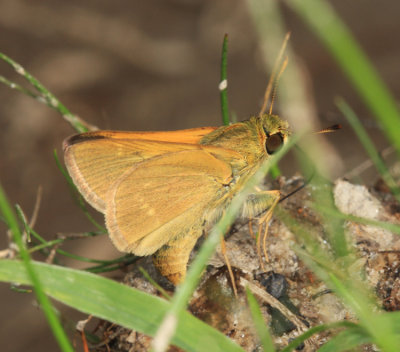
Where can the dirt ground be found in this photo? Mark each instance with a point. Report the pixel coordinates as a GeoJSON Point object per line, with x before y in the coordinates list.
{"type": "Point", "coordinates": [151, 65]}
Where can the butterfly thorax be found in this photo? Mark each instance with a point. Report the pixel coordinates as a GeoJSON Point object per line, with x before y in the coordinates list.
{"type": "Point", "coordinates": [247, 139]}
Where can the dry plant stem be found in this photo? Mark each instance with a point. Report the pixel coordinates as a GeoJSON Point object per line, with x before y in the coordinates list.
{"type": "Point", "coordinates": [273, 302]}
{"type": "Point", "coordinates": [6, 253]}
{"type": "Point", "coordinates": [36, 207]}
{"type": "Point", "coordinates": [81, 324]}
{"type": "Point", "coordinates": [365, 165]}
{"type": "Point", "coordinates": [28, 226]}
{"type": "Point", "coordinates": [165, 333]}
{"type": "Point", "coordinates": [108, 338]}
{"type": "Point", "coordinates": [84, 341]}
{"type": "Point", "coordinates": [52, 254]}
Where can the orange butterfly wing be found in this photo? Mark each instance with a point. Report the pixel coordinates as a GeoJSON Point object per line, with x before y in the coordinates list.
{"type": "Point", "coordinates": [191, 135]}
{"type": "Point", "coordinates": [163, 197]}
{"type": "Point", "coordinates": [96, 159]}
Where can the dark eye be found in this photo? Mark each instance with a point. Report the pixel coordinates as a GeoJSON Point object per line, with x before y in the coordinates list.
{"type": "Point", "coordinates": [273, 143]}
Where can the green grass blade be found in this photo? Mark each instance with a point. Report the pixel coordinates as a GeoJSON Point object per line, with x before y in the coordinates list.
{"type": "Point", "coordinates": [259, 323]}
{"type": "Point", "coordinates": [19, 88]}
{"type": "Point", "coordinates": [346, 340]}
{"type": "Point", "coordinates": [335, 35]}
{"type": "Point", "coordinates": [45, 96]}
{"type": "Point", "coordinates": [22, 218]}
{"type": "Point", "coordinates": [379, 328]}
{"type": "Point", "coordinates": [275, 172]}
{"type": "Point", "coordinates": [382, 224]}
{"type": "Point", "coordinates": [356, 294]}
{"type": "Point", "coordinates": [147, 276]}
{"type": "Point", "coordinates": [223, 85]}
{"type": "Point", "coordinates": [394, 318]}
{"type": "Point", "coordinates": [117, 303]}
{"type": "Point", "coordinates": [347, 284]}
{"type": "Point", "coordinates": [322, 195]}
{"type": "Point", "coordinates": [44, 244]}
{"type": "Point", "coordinates": [77, 195]}
{"type": "Point", "coordinates": [368, 146]}
{"type": "Point", "coordinates": [28, 267]}
{"type": "Point", "coordinates": [315, 330]}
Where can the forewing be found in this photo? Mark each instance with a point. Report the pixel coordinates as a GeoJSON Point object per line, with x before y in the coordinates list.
{"type": "Point", "coordinates": [163, 197]}
{"type": "Point", "coordinates": [191, 136]}
{"type": "Point", "coordinates": [95, 160]}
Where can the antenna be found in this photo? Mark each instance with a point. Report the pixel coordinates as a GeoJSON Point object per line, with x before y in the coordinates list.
{"type": "Point", "coordinates": [272, 79]}
{"type": "Point", "coordinates": [330, 129]}
{"type": "Point", "coordinates": [283, 67]}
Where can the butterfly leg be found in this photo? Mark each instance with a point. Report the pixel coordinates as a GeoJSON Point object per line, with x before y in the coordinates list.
{"type": "Point", "coordinates": [172, 258]}
{"type": "Point", "coordinates": [228, 265]}
{"type": "Point", "coordinates": [256, 204]}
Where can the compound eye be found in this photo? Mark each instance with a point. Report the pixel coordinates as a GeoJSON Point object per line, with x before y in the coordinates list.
{"type": "Point", "coordinates": [273, 143]}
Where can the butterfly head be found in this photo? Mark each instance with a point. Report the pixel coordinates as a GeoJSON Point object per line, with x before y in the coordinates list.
{"type": "Point", "coordinates": [275, 132]}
